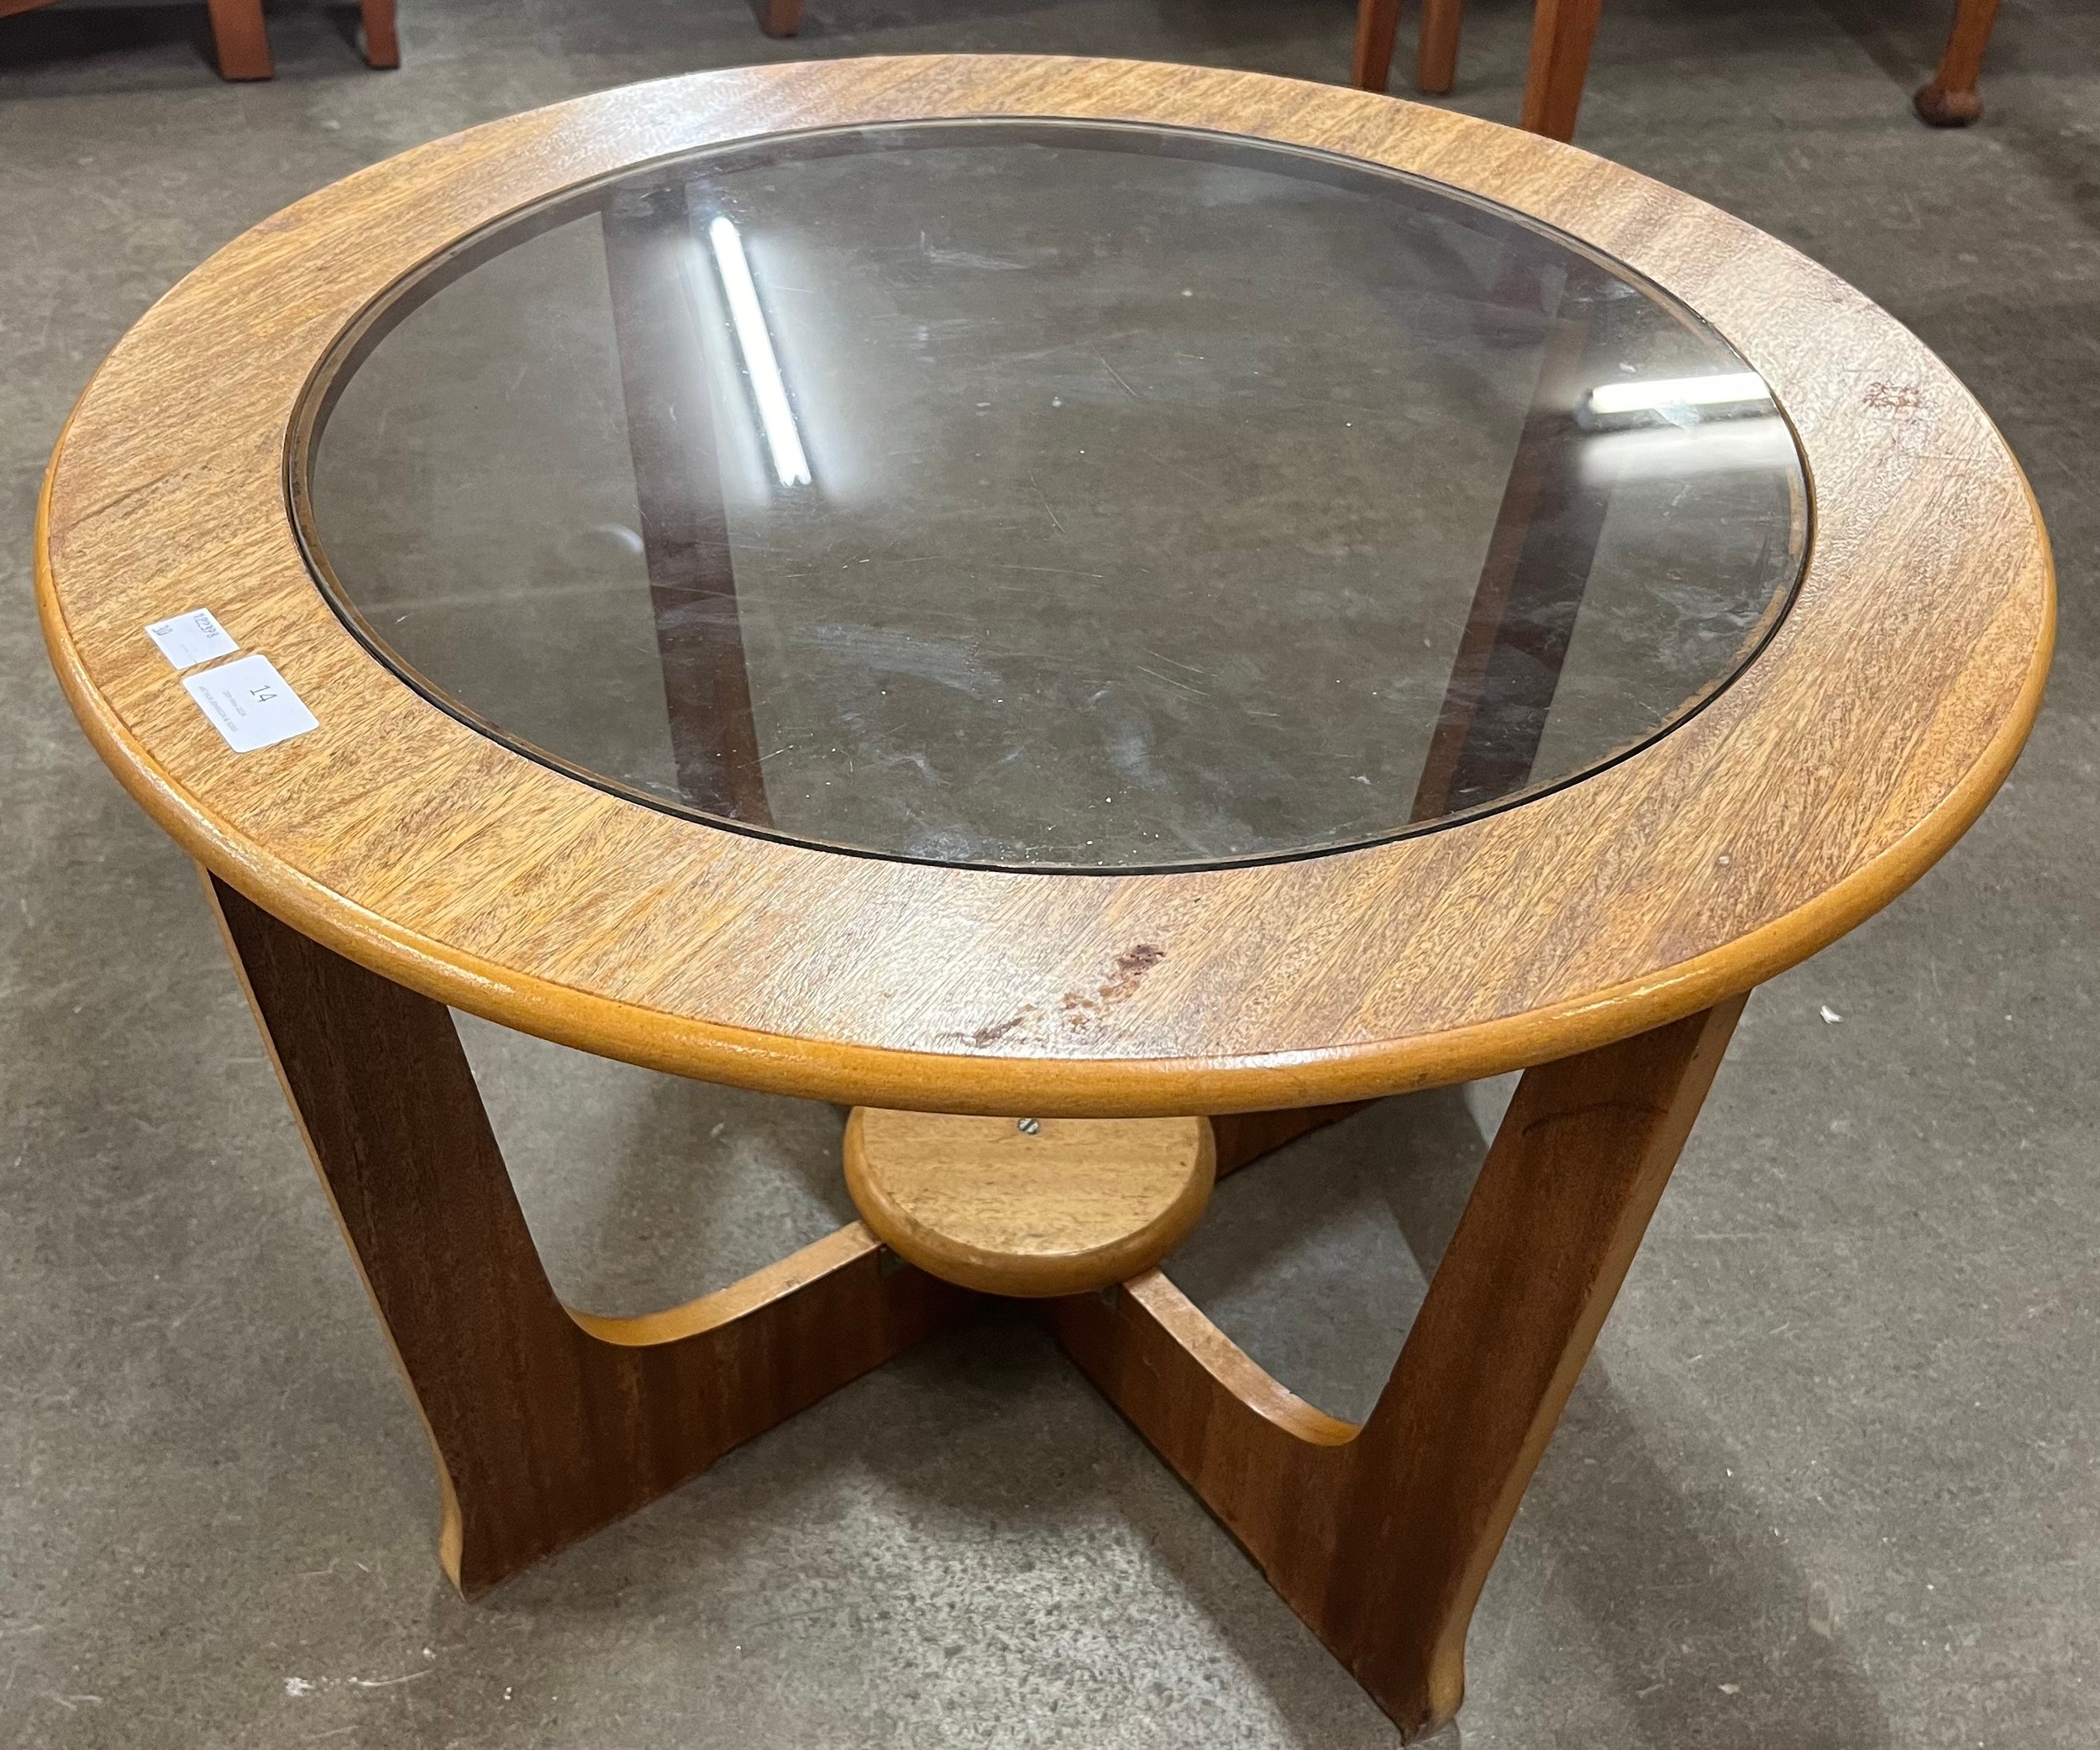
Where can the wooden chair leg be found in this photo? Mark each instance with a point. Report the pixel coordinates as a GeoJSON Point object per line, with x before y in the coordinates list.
{"type": "Point", "coordinates": [780, 18]}
{"type": "Point", "coordinates": [1562, 32]}
{"type": "Point", "coordinates": [240, 39]}
{"type": "Point", "coordinates": [1381, 1537]}
{"type": "Point", "coordinates": [1436, 45]}
{"type": "Point", "coordinates": [1377, 23]}
{"type": "Point", "coordinates": [382, 44]}
{"type": "Point", "coordinates": [1949, 99]}
{"type": "Point", "coordinates": [547, 1423]}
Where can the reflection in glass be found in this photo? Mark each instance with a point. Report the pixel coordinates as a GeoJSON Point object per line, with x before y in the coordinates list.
{"type": "Point", "coordinates": [1050, 495]}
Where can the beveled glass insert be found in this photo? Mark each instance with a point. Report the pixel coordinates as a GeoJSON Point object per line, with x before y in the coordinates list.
{"type": "Point", "coordinates": [1049, 494]}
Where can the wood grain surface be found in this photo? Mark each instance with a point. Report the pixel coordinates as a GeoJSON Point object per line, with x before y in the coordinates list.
{"type": "Point", "coordinates": [1029, 1207]}
{"type": "Point", "coordinates": [1877, 723]}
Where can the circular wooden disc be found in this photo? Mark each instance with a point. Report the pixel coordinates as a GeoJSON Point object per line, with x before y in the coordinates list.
{"type": "Point", "coordinates": [1858, 746]}
{"type": "Point", "coordinates": [1071, 1205]}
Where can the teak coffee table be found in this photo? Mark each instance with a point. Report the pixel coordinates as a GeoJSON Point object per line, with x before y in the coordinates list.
{"type": "Point", "coordinates": [1130, 607]}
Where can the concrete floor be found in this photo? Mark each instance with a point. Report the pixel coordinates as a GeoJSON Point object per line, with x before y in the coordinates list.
{"type": "Point", "coordinates": [1827, 1482]}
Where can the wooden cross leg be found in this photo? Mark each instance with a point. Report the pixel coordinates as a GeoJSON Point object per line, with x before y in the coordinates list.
{"type": "Point", "coordinates": [1381, 1537]}
{"type": "Point", "coordinates": [547, 1423]}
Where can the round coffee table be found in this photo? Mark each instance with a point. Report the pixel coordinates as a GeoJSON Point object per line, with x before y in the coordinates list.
{"type": "Point", "coordinates": [1133, 607]}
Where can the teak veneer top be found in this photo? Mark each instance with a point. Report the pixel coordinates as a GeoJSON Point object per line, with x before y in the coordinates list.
{"type": "Point", "coordinates": [1857, 747]}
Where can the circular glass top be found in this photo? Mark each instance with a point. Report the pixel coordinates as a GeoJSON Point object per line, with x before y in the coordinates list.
{"type": "Point", "coordinates": [1049, 494]}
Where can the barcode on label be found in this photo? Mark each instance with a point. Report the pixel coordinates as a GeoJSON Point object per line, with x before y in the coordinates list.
{"type": "Point", "coordinates": [192, 638]}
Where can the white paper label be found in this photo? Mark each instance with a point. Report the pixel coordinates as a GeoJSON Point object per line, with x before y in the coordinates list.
{"type": "Point", "coordinates": [250, 703]}
{"type": "Point", "coordinates": [192, 638]}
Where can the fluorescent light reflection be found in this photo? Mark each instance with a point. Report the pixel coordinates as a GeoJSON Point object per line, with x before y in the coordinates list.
{"type": "Point", "coordinates": [768, 388]}
{"type": "Point", "coordinates": [1749, 446]}
{"type": "Point", "coordinates": [1744, 389]}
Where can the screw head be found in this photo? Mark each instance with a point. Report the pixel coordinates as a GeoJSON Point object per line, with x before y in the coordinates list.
{"type": "Point", "coordinates": [1028, 1126]}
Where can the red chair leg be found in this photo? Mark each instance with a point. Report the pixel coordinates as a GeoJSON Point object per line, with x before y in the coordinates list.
{"type": "Point", "coordinates": [1378, 22]}
{"type": "Point", "coordinates": [1950, 100]}
{"type": "Point", "coordinates": [382, 45]}
{"type": "Point", "coordinates": [780, 18]}
{"type": "Point", "coordinates": [240, 39]}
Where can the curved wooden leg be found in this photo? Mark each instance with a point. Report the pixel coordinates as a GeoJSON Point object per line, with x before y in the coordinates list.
{"type": "Point", "coordinates": [1377, 23]}
{"type": "Point", "coordinates": [1436, 46]}
{"type": "Point", "coordinates": [1949, 99]}
{"type": "Point", "coordinates": [239, 36]}
{"type": "Point", "coordinates": [780, 18]}
{"type": "Point", "coordinates": [1561, 33]}
{"type": "Point", "coordinates": [382, 44]}
{"type": "Point", "coordinates": [1381, 1537]}
{"type": "Point", "coordinates": [547, 1423]}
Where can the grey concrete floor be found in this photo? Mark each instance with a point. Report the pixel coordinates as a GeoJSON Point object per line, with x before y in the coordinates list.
{"type": "Point", "coordinates": [1827, 1482]}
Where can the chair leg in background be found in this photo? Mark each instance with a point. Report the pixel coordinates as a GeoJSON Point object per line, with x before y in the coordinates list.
{"type": "Point", "coordinates": [1561, 33]}
{"type": "Point", "coordinates": [1377, 23]}
{"type": "Point", "coordinates": [242, 42]}
{"type": "Point", "coordinates": [1950, 99]}
{"type": "Point", "coordinates": [382, 46]}
{"type": "Point", "coordinates": [1436, 49]}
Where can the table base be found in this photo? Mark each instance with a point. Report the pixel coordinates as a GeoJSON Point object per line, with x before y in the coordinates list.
{"type": "Point", "coordinates": [549, 1424]}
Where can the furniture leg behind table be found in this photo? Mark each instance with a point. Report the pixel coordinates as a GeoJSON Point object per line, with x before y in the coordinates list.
{"type": "Point", "coordinates": [1562, 32]}
{"type": "Point", "coordinates": [1436, 50]}
{"type": "Point", "coordinates": [241, 39]}
{"type": "Point", "coordinates": [1381, 1537]}
{"type": "Point", "coordinates": [1949, 98]}
{"type": "Point", "coordinates": [382, 41]}
{"type": "Point", "coordinates": [547, 1423]}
